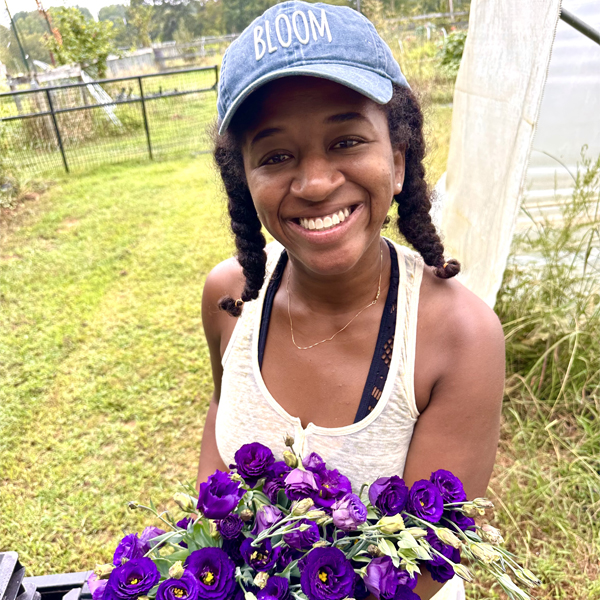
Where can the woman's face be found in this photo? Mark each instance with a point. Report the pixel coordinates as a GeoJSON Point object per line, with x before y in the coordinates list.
{"type": "Point", "coordinates": [321, 170]}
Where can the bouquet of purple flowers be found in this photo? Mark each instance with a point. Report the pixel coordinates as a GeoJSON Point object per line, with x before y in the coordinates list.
{"type": "Point", "coordinates": [295, 530]}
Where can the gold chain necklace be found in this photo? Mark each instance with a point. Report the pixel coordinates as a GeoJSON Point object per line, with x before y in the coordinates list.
{"type": "Point", "coordinates": [372, 303]}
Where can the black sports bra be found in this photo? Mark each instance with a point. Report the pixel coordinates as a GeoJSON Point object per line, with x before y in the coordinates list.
{"type": "Point", "coordinates": [380, 364]}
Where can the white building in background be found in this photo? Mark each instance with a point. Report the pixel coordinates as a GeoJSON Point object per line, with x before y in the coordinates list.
{"type": "Point", "coordinates": [569, 115]}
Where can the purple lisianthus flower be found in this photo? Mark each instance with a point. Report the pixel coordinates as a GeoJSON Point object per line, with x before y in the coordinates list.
{"type": "Point", "coordinates": [449, 486]}
{"type": "Point", "coordinates": [383, 579]}
{"type": "Point", "coordinates": [135, 578]}
{"type": "Point", "coordinates": [96, 586]}
{"type": "Point", "coordinates": [219, 495]}
{"type": "Point", "coordinates": [403, 592]}
{"type": "Point", "coordinates": [360, 589]}
{"type": "Point", "coordinates": [265, 518]}
{"type": "Point", "coordinates": [313, 462]}
{"type": "Point", "coordinates": [277, 588]}
{"type": "Point", "coordinates": [348, 512]}
{"type": "Point", "coordinates": [215, 573]}
{"type": "Point", "coordinates": [147, 536]}
{"type": "Point", "coordinates": [439, 568]}
{"type": "Point", "coordinates": [332, 486]}
{"type": "Point", "coordinates": [425, 501]}
{"type": "Point", "coordinates": [275, 480]}
{"type": "Point", "coordinates": [326, 574]}
{"type": "Point", "coordinates": [389, 495]}
{"type": "Point", "coordinates": [184, 523]}
{"type": "Point", "coordinates": [184, 588]}
{"type": "Point", "coordinates": [461, 520]}
{"type": "Point", "coordinates": [286, 556]}
{"type": "Point", "coordinates": [253, 461]}
{"type": "Point", "coordinates": [301, 484]}
{"type": "Point", "coordinates": [232, 548]}
{"type": "Point", "coordinates": [262, 557]}
{"type": "Point", "coordinates": [129, 547]}
{"type": "Point", "coordinates": [230, 527]}
{"type": "Point", "coordinates": [302, 540]}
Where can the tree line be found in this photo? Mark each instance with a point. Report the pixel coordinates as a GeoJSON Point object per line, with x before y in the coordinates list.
{"type": "Point", "coordinates": [140, 23]}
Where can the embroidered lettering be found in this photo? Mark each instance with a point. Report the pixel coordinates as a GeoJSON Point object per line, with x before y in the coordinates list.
{"type": "Point", "coordinates": [278, 20]}
{"type": "Point", "coordinates": [302, 40]}
{"type": "Point", "coordinates": [259, 44]}
{"type": "Point", "coordinates": [270, 46]}
{"type": "Point", "coordinates": [322, 28]}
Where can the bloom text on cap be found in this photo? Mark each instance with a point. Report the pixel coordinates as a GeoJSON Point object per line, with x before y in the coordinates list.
{"type": "Point", "coordinates": [300, 26]}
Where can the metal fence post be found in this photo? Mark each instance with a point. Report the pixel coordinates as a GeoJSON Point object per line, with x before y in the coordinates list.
{"type": "Point", "coordinates": [57, 130]}
{"type": "Point", "coordinates": [145, 118]}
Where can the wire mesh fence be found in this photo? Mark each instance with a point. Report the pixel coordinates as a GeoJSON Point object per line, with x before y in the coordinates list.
{"type": "Point", "coordinates": [76, 126]}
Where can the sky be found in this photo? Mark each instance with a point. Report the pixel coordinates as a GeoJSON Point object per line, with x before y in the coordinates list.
{"type": "Point", "coordinates": [27, 5]}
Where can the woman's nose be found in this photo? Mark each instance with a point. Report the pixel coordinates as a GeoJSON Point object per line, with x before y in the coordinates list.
{"type": "Point", "coordinates": [316, 179]}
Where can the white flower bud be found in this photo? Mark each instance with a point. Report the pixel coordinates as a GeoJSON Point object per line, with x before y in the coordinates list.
{"type": "Point", "coordinates": [491, 534]}
{"type": "Point", "coordinates": [176, 570]}
{"type": "Point", "coordinates": [417, 532]}
{"type": "Point", "coordinates": [290, 459]}
{"type": "Point", "coordinates": [236, 477]}
{"type": "Point", "coordinates": [485, 552]}
{"type": "Point", "coordinates": [249, 596]}
{"type": "Point", "coordinates": [214, 532]}
{"type": "Point", "coordinates": [261, 579]}
{"type": "Point", "coordinates": [470, 509]}
{"type": "Point", "coordinates": [184, 501]}
{"type": "Point", "coordinates": [447, 537]}
{"type": "Point", "coordinates": [483, 503]}
{"type": "Point", "coordinates": [391, 524]}
{"type": "Point", "coordinates": [463, 572]}
{"type": "Point", "coordinates": [313, 515]}
{"type": "Point", "coordinates": [103, 571]}
{"type": "Point", "coordinates": [288, 440]}
{"type": "Point", "coordinates": [324, 520]}
{"type": "Point", "coordinates": [321, 544]}
{"type": "Point", "coordinates": [301, 507]}
{"type": "Point", "coordinates": [528, 578]}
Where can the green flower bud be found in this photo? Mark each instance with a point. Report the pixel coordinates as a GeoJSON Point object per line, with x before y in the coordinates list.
{"type": "Point", "coordinates": [470, 509]}
{"type": "Point", "coordinates": [214, 532]}
{"type": "Point", "coordinates": [491, 534]}
{"type": "Point", "coordinates": [321, 544]}
{"type": "Point", "coordinates": [246, 515]}
{"type": "Point", "coordinates": [103, 571]}
{"type": "Point", "coordinates": [249, 596]}
{"type": "Point", "coordinates": [301, 507]}
{"type": "Point", "coordinates": [236, 477]}
{"type": "Point", "coordinates": [313, 515]}
{"type": "Point", "coordinates": [528, 578]}
{"type": "Point", "coordinates": [143, 598]}
{"type": "Point", "coordinates": [132, 505]}
{"type": "Point", "coordinates": [176, 570]}
{"type": "Point", "coordinates": [290, 459]}
{"type": "Point", "coordinates": [483, 503]}
{"type": "Point", "coordinates": [507, 583]}
{"type": "Point", "coordinates": [324, 520]}
{"type": "Point", "coordinates": [447, 537]}
{"type": "Point", "coordinates": [417, 532]}
{"type": "Point", "coordinates": [485, 552]}
{"type": "Point", "coordinates": [391, 524]}
{"type": "Point", "coordinates": [463, 572]}
{"type": "Point", "coordinates": [184, 501]}
{"type": "Point", "coordinates": [261, 579]}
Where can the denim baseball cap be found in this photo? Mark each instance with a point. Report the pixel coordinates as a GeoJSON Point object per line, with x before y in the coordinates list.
{"type": "Point", "coordinates": [319, 40]}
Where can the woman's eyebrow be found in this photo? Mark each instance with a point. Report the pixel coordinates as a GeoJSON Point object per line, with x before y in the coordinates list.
{"type": "Point", "coordinates": [343, 117]}
{"type": "Point", "coordinates": [263, 133]}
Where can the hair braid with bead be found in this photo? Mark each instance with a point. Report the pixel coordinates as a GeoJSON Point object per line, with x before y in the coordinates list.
{"type": "Point", "coordinates": [405, 121]}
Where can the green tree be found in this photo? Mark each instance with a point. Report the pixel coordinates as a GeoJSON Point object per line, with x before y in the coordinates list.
{"type": "Point", "coordinates": [139, 15]}
{"type": "Point", "coordinates": [84, 41]}
{"type": "Point", "coordinates": [124, 34]}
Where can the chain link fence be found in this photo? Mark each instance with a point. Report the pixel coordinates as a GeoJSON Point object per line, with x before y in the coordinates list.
{"type": "Point", "coordinates": [76, 126]}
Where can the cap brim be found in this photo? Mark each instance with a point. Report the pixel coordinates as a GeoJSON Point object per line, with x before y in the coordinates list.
{"type": "Point", "coordinates": [370, 84]}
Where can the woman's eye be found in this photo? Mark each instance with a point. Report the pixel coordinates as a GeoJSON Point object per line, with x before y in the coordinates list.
{"type": "Point", "coordinates": [347, 144]}
{"type": "Point", "coordinates": [276, 159]}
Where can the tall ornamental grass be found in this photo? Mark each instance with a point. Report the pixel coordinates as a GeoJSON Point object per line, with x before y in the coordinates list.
{"type": "Point", "coordinates": [547, 486]}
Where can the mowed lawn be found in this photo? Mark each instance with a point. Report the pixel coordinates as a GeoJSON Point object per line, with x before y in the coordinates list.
{"type": "Point", "coordinates": [104, 370]}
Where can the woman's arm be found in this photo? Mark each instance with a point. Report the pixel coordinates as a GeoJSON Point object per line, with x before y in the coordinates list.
{"type": "Point", "coordinates": [458, 430]}
{"type": "Point", "coordinates": [224, 279]}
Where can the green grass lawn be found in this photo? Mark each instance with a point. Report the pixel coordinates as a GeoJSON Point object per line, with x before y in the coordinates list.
{"type": "Point", "coordinates": [105, 378]}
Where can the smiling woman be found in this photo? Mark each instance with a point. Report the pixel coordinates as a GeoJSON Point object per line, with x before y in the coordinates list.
{"type": "Point", "coordinates": [369, 354]}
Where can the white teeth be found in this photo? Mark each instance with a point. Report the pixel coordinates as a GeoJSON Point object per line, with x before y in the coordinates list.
{"type": "Point", "coordinates": [326, 222]}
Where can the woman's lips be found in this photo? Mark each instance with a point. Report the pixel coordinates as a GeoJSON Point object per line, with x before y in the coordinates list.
{"type": "Point", "coordinates": [330, 233]}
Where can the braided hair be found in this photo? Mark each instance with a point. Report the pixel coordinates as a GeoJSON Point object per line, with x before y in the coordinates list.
{"type": "Point", "coordinates": [405, 122]}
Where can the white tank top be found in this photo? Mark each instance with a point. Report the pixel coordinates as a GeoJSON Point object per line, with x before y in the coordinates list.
{"type": "Point", "coordinates": [374, 447]}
